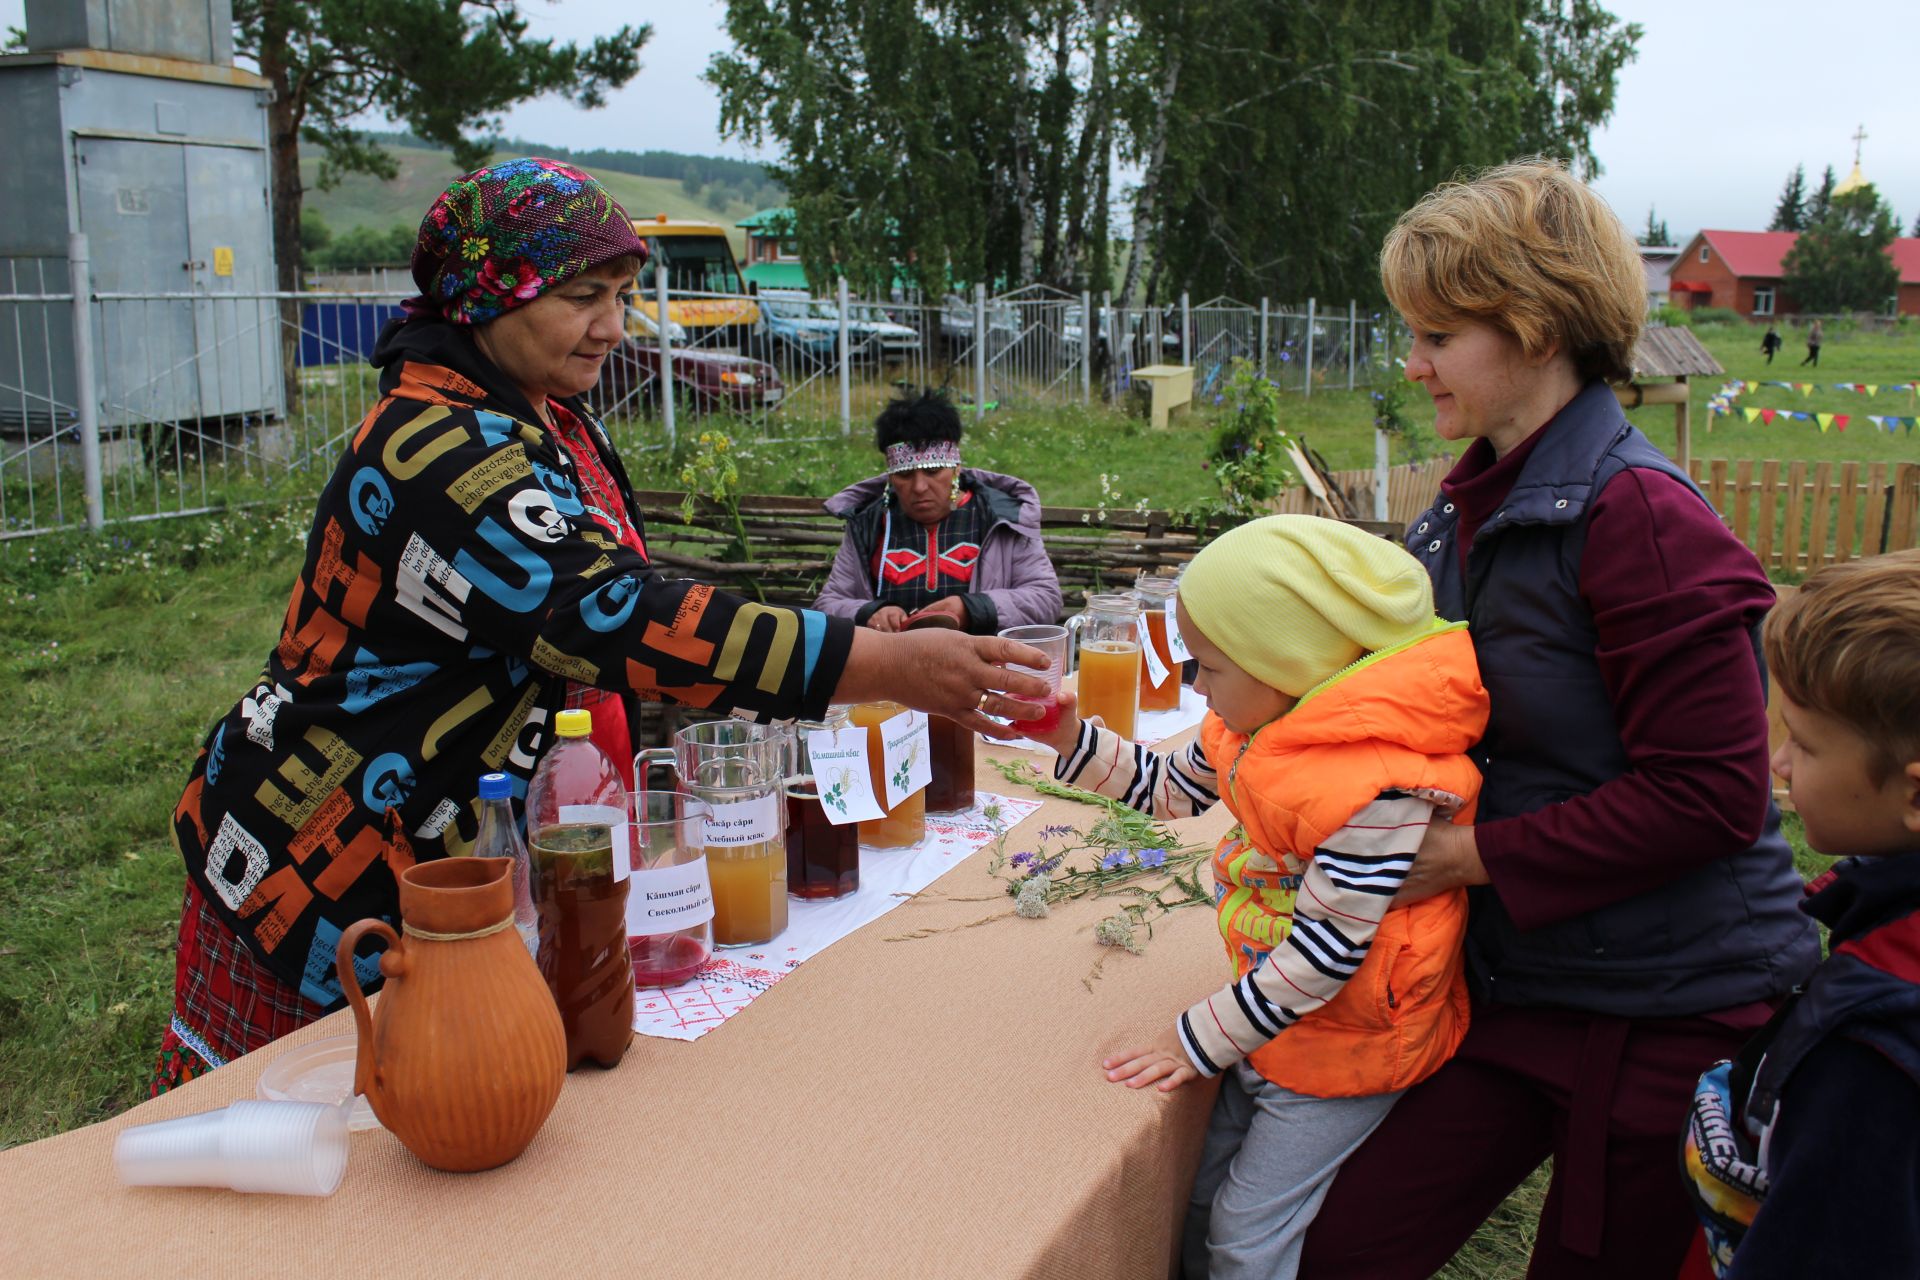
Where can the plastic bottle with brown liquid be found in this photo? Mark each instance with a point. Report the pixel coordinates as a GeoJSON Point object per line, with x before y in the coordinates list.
{"type": "Point", "coordinates": [576, 807]}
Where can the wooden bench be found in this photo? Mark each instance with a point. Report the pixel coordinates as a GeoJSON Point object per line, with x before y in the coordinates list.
{"type": "Point", "coordinates": [1169, 387]}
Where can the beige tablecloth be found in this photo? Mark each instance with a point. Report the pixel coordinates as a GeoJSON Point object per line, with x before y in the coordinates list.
{"type": "Point", "coordinates": [890, 1109]}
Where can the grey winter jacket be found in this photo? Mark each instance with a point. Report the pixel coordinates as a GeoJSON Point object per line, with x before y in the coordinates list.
{"type": "Point", "coordinates": [1013, 581]}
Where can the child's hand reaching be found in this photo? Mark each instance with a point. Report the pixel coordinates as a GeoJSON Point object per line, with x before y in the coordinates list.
{"type": "Point", "coordinates": [1065, 735]}
{"type": "Point", "coordinates": [1164, 1061]}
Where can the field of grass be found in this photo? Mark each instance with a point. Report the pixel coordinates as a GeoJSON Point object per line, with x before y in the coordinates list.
{"type": "Point", "coordinates": [119, 650]}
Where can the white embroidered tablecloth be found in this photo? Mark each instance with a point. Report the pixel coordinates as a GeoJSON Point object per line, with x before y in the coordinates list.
{"type": "Point", "coordinates": [735, 977]}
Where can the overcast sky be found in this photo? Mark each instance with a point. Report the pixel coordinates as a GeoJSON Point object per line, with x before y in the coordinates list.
{"type": "Point", "coordinates": [1725, 99]}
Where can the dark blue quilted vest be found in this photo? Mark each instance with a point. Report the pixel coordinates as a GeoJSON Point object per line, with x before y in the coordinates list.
{"type": "Point", "coordinates": [1723, 935]}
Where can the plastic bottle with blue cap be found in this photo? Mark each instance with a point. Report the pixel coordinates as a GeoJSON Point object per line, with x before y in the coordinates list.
{"type": "Point", "coordinates": [500, 838]}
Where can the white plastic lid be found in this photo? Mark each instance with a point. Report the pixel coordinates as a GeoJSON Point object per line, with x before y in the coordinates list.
{"type": "Point", "coordinates": [318, 1072]}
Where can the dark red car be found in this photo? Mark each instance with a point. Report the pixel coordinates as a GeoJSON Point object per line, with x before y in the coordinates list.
{"type": "Point", "coordinates": [704, 381]}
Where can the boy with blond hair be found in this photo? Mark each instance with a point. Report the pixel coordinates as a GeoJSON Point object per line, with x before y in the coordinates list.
{"type": "Point", "coordinates": [1803, 1153]}
{"type": "Point", "coordinates": [1340, 711]}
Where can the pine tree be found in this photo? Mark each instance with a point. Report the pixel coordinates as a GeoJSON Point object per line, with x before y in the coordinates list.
{"type": "Point", "coordinates": [1791, 213]}
{"type": "Point", "coordinates": [1656, 232]}
{"type": "Point", "coordinates": [1840, 262]}
{"type": "Point", "coordinates": [1822, 202]}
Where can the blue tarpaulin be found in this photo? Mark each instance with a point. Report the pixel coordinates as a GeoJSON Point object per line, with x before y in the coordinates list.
{"type": "Point", "coordinates": [341, 332]}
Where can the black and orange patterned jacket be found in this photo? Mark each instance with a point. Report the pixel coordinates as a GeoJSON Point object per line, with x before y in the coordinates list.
{"type": "Point", "coordinates": [452, 587]}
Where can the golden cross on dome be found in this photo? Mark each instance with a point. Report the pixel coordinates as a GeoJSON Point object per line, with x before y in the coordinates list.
{"type": "Point", "coordinates": [1859, 136]}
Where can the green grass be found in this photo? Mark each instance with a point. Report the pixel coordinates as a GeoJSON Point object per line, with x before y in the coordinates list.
{"type": "Point", "coordinates": [118, 652]}
{"type": "Point", "coordinates": [1881, 359]}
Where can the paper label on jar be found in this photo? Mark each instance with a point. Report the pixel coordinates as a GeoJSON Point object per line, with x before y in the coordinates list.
{"type": "Point", "coordinates": [908, 759]}
{"type": "Point", "coordinates": [615, 819]}
{"type": "Point", "coordinates": [1156, 669]}
{"type": "Point", "coordinates": [667, 899]}
{"type": "Point", "coordinates": [1176, 644]}
{"type": "Point", "coordinates": [739, 822]}
{"type": "Point", "coordinates": [844, 775]}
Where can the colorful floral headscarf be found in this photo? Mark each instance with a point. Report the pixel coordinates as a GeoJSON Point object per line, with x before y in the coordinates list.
{"type": "Point", "coordinates": [503, 235]}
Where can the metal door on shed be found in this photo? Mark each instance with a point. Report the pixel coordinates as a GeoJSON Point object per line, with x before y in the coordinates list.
{"type": "Point", "coordinates": [230, 241]}
{"type": "Point", "coordinates": [133, 208]}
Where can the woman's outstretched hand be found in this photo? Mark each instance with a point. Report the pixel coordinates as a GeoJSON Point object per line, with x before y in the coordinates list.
{"type": "Point", "coordinates": [946, 673]}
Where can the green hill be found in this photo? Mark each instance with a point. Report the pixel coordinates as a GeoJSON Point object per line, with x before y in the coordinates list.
{"type": "Point", "coordinates": [363, 201]}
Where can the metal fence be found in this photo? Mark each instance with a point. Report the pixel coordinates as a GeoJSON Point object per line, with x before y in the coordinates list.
{"type": "Point", "coordinates": [197, 401]}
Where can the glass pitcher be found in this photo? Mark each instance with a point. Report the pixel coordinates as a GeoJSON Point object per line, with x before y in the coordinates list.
{"type": "Point", "coordinates": [823, 860]}
{"type": "Point", "coordinates": [1155, 595]}
{"type": "Point", "coordinates": [738, 769]}
{"type": "Point", "coordinates": [1109, 662]}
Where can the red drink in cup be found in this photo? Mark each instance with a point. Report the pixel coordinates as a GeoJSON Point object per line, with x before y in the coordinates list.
{"type": "Point", "coordinates": [1052, 641]}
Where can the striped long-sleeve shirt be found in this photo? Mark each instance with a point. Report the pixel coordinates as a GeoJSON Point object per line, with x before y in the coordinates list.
{"type": "Point", "coordinates": [1343, 891]}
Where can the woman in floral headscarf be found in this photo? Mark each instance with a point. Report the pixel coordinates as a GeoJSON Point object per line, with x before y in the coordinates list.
{"type": "Point", "coordinates": [476, 565]}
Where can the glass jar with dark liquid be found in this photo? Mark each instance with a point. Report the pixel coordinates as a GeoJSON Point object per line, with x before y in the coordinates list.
{"type": "Point", "coordinates": [950, 788]}
{"type": "Point", "coordinates": [823, 860]}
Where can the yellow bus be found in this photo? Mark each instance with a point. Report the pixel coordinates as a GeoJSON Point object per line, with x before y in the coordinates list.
{"type": "Point", "coordinates": [699, 263]}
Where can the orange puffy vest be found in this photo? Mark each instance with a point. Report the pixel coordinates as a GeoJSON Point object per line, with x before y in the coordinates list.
{"type": "Point", "coordinates": [1402, 719]}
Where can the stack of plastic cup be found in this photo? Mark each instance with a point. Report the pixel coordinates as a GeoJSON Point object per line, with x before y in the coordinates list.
{"type": "Point", "coordinates": [293, 1148]}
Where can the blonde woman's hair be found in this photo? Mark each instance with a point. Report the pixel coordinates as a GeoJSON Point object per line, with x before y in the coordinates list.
{"type": "Point", "coordinates": [1847, 644]}
{"type": "Point", "coordinates": [1530, 249]}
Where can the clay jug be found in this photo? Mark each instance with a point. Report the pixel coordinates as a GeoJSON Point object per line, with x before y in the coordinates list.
{"type": "Point", "coordinates": [465, 1055]}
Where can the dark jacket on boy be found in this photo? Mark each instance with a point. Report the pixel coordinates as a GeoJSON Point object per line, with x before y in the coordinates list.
{"type": "Point", "coordinates": [1823, 1107]}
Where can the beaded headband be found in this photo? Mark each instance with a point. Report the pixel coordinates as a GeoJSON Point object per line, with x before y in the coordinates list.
{"type": "Point", "coordinates": [928, 455]}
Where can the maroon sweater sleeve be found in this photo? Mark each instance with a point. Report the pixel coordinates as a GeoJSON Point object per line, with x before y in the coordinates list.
{"type": "Point", "coordinates": [1672, 594]}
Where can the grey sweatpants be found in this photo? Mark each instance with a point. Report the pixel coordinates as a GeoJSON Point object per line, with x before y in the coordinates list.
{"type": "Point", "coordinates": [1269, 1158]}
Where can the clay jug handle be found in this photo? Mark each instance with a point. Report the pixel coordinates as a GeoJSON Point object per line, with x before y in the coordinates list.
{"type": "Point", "coordinates": [350, 981]}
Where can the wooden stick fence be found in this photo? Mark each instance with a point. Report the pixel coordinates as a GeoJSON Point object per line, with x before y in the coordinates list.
{"type": "Point", "coordinates": [1798, 517]}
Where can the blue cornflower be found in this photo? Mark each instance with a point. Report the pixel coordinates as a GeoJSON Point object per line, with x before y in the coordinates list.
{"type": "Point", "coordinates": [1153, 857]}
{"type": "Point", "coordinates": [1115, 860]}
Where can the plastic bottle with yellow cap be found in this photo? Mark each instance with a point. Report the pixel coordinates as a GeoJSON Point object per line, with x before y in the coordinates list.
{"type": "Point", "coordinates": [577, 829]}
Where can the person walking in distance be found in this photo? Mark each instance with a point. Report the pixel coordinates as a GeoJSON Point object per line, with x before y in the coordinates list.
{"type": "Point", "coordinates": [1813, 347]}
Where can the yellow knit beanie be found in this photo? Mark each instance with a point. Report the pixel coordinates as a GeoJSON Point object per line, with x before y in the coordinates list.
{"type": "Point", "coordinates": [1293, 599]}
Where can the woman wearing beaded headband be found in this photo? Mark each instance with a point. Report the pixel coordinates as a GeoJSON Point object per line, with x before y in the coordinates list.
{"type": "Point", "coordinates": [932, 542]}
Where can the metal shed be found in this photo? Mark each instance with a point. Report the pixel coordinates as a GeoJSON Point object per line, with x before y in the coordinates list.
{"type": "Point", "coordinates": [127, 123]}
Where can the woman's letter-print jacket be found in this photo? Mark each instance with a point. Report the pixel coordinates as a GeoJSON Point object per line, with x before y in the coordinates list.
{"type": "Point", "coordinates": [452, 587]}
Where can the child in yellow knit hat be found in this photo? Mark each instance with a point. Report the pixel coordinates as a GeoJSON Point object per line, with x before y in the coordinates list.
{"type": "Point", "coordinates": [1340, 711]}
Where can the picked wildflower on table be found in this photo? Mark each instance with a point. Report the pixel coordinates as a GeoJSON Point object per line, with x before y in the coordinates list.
{"type": "Point", "coordinates": [1118, 931]}
{"type": "Point", "coordinates": [1115, 860]}
{"type": "Point", "coordinates": [1030, 900]}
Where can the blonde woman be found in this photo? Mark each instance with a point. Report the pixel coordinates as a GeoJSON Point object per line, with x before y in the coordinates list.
{"type": "Point", "coordinates": [1633, 906]}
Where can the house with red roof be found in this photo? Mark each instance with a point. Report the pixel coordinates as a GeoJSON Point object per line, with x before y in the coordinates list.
{"type": "Point", "coordinates": [1741, 270]}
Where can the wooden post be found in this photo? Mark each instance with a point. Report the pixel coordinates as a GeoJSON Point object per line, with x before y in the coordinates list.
{"type": "Point", "coordinates": [1681, 424]}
